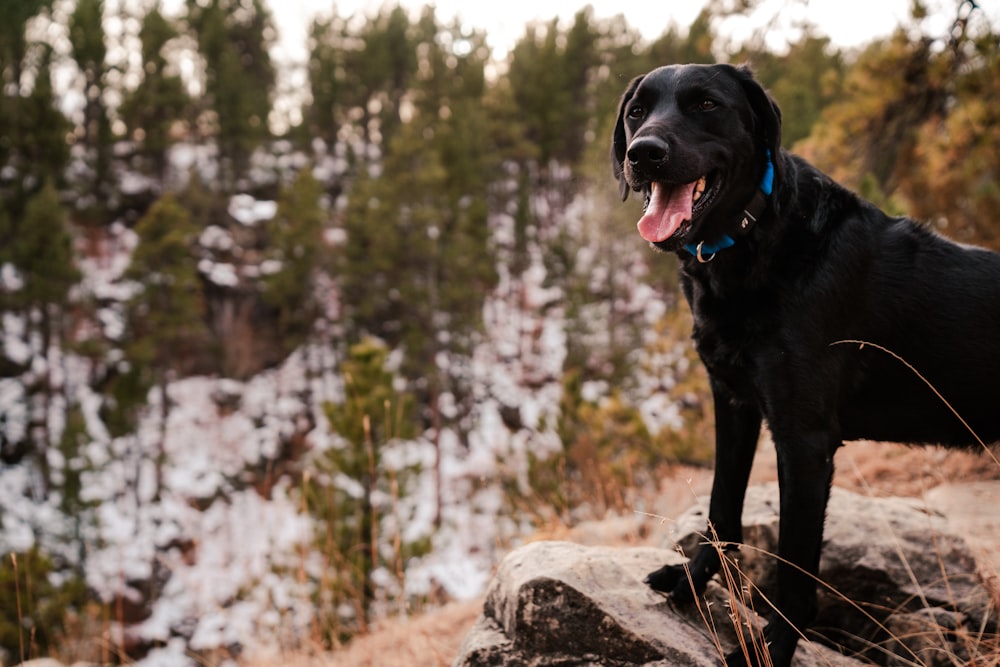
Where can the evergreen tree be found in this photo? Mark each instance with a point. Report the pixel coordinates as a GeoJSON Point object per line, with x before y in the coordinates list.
{"type": "Point", "coordinates": [869, 137]}
{"type": "Point", "coordinates": [804, 81]}
{"type": "Point", "coordinates": [352, 490]}
{"type": "Point", "coordinates": [87, 38]}
{"type": "Point", "coordinates": [40, 249]}
{"type": "Point", "coordinates": [550, 73]}
{"type": "Point", "coordinates": [619, 62]}
{"type": "Point", "coordinates": [158, 104]}
{"type": "Point", "coordinates": [295, 243]}
{"type": "Point", "coordinates": [415, 267]}
{"type": "Point", "coordinates": [34, 146]}
{"type": "Point", "coordinates": [328, 70]}
{"type": "Point", "coordinates": [361, 76]}
{"type": "Point", "coordinates": [234, 38]}
{"type": "Point", "coordinates": [166, 316]}
{"type": "Point", "coordinates": [13, 39]}
{"type": "Point", "coordinates": [383, 71]}
{"type": "Point", "coordinates": [676, 47]}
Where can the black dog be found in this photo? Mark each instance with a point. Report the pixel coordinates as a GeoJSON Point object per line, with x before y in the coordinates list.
{"type": "Point", "coordinates": [782, 267]}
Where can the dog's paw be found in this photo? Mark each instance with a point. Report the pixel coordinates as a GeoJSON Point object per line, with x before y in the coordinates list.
{"type": "Point", "coordinates": [739, 659]}
{"type": "Point", "coordinates": [674, 581]}
{"type": "Point", "coordinates": [774, 649]}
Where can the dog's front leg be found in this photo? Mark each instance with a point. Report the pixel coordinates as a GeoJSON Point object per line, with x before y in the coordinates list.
{"type": "Point", "coordinates": [737, 429]}
{"type": "Point", "coordinates": [805, 472]}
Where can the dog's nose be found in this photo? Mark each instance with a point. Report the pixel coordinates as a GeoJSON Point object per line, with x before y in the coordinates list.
{"type": "Point", "coordinates": [647, 152]}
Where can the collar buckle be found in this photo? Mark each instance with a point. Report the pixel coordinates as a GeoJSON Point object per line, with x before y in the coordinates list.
{"type": "Point", "coordinates": [754, 209]}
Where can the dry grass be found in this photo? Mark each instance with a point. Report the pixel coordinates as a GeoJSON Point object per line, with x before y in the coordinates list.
{"type": "Point", "coordinates": [432, 639]}
{"type": "Point", "coordinates": [429, 640]}
{"type": "Point", "coordinates": [885, 469]}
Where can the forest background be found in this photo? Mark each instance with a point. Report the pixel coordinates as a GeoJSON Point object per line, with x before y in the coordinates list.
{"type": "Point", "coordinates": [268, 378]}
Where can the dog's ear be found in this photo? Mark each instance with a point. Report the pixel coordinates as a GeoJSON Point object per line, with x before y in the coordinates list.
{"type": "Point", "coordinates": [766, 115]}
{"type": "Point", "coordinates": [619, 144]}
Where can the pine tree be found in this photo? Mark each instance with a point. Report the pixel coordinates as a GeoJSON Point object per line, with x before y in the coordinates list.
{"type": "Point", "coordinates": [33, 145]}
{"type": "Point", "coordinates": [548, 76]}
{"type": "Point", "coordinates": [14, 44]}
{"type": "Point", "coordinates": [804, 81]}
{"type": "Point", "coordinates": [234, 38]}
{"type": "Point", "coordinates": [352, 491]}
{"type": "Point", "coordinates": [415, 268]}
{"type": "Point", "coordinates": [40, 249]}
{"type": "Point", "coordinates": [384, 71]}
{"type": "Point", "coordinates": [154, 109]}
{"type": "Point", "coordinates": [360, 77]}
{"type": "Point", "coordinates": [167, 312]}
{"type": "Point", "coordinates": [87, 38]}
{"type": "Point", "coordinates": [327, 111]}
{"type": "Point", "coordinates": [675, 47]}
{"type": "Point", "coordinates": [166, 316]}
{"type": "Point", "coordinates": [295, 248]}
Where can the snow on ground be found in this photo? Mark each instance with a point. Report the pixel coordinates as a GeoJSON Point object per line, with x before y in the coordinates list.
{"type": "Point", "coordinates": [180, 503]}
{"type": "Point", "coordinates": [249, 211]}
{"type": "Point", "coordinates": [197, 522]}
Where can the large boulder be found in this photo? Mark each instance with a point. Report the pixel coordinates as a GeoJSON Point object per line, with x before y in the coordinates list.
{"type": "Point", "coordinates": [896, 582]}
{"type": "Point", "coordinates": [888, 566]}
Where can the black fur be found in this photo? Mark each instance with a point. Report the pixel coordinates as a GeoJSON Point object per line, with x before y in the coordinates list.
{"type": "Point", "coordinates": [773, 314]}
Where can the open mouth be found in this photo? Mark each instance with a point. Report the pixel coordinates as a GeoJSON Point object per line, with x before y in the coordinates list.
{"type": "Point", "coordinates": [670, 209]}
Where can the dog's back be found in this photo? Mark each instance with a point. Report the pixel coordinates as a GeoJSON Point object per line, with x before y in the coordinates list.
{"type": "Point", "coordinates": [934, 307]}
{"type": "Point", "coordinates": [904, 321]}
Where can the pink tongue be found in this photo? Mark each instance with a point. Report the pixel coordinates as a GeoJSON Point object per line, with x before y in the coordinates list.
{"type": "Point", "coordinates": [668, 208]}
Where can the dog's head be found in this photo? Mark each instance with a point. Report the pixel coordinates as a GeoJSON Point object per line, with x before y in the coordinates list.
{"type": "Point", "coordinates": [694, 139]}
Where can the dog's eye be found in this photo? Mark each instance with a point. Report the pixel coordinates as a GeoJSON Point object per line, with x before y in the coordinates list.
{"type": "Point", "coordinates": [706, 105]}
{"type": "Point", "coordinates": [636, 111]}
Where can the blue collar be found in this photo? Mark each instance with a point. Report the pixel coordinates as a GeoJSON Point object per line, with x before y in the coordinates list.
{"type": "Point", "coordinates": [705, 251]}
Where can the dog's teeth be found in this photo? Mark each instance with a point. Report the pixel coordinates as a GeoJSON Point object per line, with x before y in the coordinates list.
{"type": "Point", "coordinates": [699, 188]}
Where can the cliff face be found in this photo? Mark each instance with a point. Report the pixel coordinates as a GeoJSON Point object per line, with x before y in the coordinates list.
{"type": "Point", "coordinates": [900, 587]}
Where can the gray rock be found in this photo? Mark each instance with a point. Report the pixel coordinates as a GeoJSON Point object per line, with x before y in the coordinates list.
{"type": "Point", "coordinates": [557, 597]}
{"type": "Point", "coordinates": [973, 510]}
{"type": "Point", "coordinates": [555, 604]}
{"type": "Point", "coordinates": [897, 581]}
{"type": "Point", "coordinates": [882, 557]}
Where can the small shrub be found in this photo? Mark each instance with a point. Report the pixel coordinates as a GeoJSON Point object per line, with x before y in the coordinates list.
{"type": "Point", "coordinates": [34, 605]}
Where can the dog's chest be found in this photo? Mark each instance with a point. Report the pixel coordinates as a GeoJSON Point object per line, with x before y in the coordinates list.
{"type": "Point", "coordinates": [734, 334]}
{"type": "Point", "coordinates": [728, 345]}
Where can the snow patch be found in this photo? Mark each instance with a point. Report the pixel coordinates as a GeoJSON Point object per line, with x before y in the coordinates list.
{"type": "Point", "coordinates": [222, 274]}
{"type": "Point", "coordinates": [249, 211]}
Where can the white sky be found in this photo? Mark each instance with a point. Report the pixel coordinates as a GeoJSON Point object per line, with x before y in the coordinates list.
{"type": "Point", "coordinates": [848, 22]}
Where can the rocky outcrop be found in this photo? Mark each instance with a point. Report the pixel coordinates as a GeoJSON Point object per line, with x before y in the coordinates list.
{"type": "Point", "coordinates": [897, 583]}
